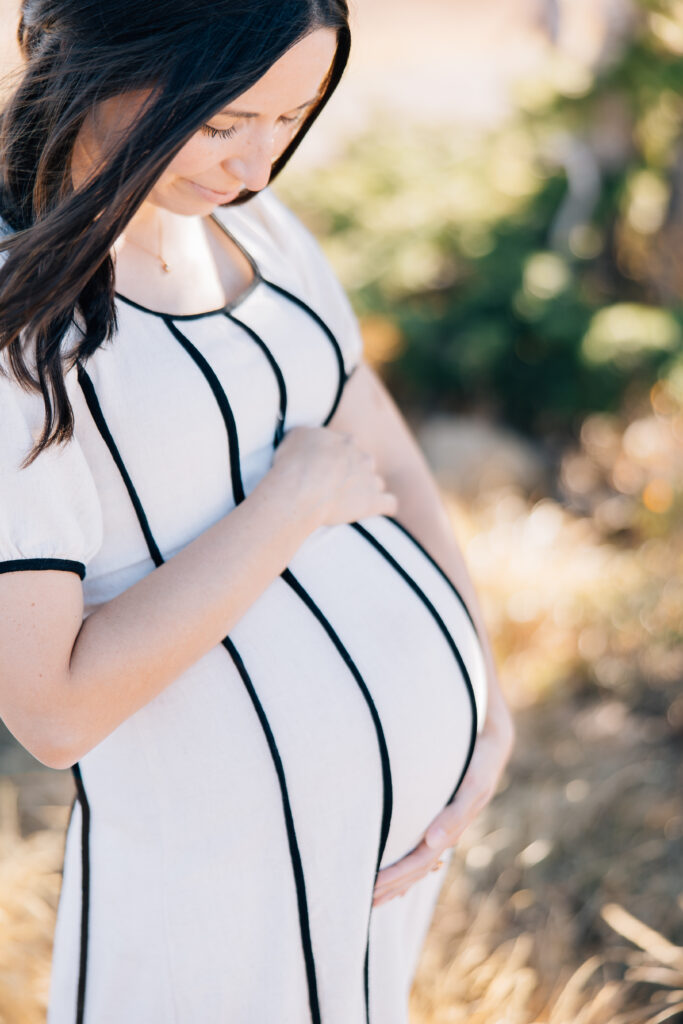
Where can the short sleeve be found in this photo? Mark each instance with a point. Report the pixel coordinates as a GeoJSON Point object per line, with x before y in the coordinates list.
{"type": "Point", "coordinates": [50, 513]}
{"type": "Point", "coordinates": [302, 251]}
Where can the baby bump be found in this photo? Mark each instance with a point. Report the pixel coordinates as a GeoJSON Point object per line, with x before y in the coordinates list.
{"type": "Point", "coordinates": [407, 636]}
{"type": "Point", "coordinates": [352, 688]}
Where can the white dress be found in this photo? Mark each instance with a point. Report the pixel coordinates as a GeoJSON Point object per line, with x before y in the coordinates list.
{"type": "Point", "coordinates": [224, 840]}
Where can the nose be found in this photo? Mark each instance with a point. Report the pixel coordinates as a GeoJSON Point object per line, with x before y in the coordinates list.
{"type": "Point", "coordinates": [254, 162]}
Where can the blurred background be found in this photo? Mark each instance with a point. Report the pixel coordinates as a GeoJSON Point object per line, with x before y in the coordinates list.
{"type": "Point", "coordinates": [499, 187]}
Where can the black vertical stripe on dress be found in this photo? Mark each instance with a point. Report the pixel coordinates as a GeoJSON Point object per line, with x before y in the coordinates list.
{"type": "Point", "coordinates": [388, 800]}
{"type": "Point", "coordinates": [436, 565]}
{"type": "Point", "coordinates": [343, 377]}
{"type": "Point", "coordinates": [238, 490]}
{"type": "Point", "coordinates": [295, 856]}
{"type": "Point", "coordinates": [282, 387]}
{"type": "Point", "coordinates": [85, 889]}
{"type": "Point", "coordinates": [297, 300]}
{"type": "Point", "coordinates": [222, 402]}
{"type": "Point", "coordinates": [446, 632]}
{"type": "Point", "coordinates": [259, 277]}
{"type": "Point", "coordinates": [93, 404]}
{"type": "Point", "coordinates": [297, 867]}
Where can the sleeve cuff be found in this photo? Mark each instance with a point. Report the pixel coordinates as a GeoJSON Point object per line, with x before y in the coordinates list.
{"type": "Point", "coordinates": [24, 564]}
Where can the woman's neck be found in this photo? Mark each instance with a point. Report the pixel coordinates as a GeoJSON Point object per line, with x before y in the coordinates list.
{"type": "Point", "coordinates": [155, 228]}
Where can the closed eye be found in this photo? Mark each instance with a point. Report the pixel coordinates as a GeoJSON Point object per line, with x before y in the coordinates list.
{"type": "Point", "coordinates": [227, 133]}
{"type": "Point", "coordinates": [221, 133]}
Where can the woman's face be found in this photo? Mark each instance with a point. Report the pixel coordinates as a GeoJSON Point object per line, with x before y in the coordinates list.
{"type": "Point", "coordinates": [230, 153]}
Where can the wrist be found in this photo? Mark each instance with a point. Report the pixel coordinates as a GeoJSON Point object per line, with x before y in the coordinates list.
{"type": "Point", "coordinates": [280, 489]}
{"type": "Point", "coordinates": [500, 724]}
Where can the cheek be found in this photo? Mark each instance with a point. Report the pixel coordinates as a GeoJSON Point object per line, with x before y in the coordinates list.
{"type": "Point", "coordinates": [196, 155]}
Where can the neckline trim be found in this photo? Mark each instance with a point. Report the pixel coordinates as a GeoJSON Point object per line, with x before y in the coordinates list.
{"type": "Point", "coordinates": [256, 280]}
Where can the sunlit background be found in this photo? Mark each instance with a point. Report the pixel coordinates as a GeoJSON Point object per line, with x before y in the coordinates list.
{"type": "Point", "coordinates": [499, 186]}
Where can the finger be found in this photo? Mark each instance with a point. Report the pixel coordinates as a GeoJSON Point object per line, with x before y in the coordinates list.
{"type": "Point", "coordinates": [408, 879]}
{"type": "Point", "coordinates": [382, 882]}
{"type": "Point", "coordinates": [417, 858]}
{"type": "Point", "coordinates": [382, 899]}
{"type": "Point", "coordinates": [405, 879]}
{"type": "Point", "coordinates": [449, 825]}
{"type": "Point", "coordinates": [391, 895]}
{"type": "Point", "coordinates": [379, 900]}
{"type": "Point", "coordinates": [391, 892]}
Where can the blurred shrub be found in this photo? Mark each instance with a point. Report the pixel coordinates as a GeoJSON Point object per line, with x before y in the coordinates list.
{"type": "Point", "coordinates": [535, 272]}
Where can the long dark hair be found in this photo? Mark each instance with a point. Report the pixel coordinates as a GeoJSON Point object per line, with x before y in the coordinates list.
{"type": "Point", "coordinates": [195, 56]}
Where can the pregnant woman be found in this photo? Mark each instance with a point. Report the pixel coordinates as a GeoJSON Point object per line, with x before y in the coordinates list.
{"type": "Point", "coordinates": [230, 598]}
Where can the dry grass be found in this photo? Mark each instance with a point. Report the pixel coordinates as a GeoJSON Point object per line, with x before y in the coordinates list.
{"type": "Point", "coordinates": [30, 880]}
{"type": "Point", "coordinates": [468, 974]}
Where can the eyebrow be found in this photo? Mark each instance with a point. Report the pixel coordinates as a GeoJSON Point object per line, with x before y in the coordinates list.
{"type": "Point", "coordinates": [229, 112]}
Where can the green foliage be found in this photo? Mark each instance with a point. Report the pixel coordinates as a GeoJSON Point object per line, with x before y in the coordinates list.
{"type": "Point", "coordinates": [457, 242]}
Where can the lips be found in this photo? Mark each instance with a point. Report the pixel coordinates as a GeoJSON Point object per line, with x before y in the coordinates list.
{"type": "Point", "coordinates": [213, 195]}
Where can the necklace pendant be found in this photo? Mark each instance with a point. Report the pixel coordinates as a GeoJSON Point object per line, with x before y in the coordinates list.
{"type": "Point", "coordinates": [165, 267]}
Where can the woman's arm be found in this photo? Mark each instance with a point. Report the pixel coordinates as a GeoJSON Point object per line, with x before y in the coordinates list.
{"type": "Point", "coordinates": [368, 412]}
{"type": "Point", "coordinates": [66, 684]}
{"type": "Point", "coordinates": [61, 696]}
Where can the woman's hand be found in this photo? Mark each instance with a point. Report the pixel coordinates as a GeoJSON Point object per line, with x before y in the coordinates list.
{"type": "Point", "coordinates": [335, 480]}
{"type": "Point", "coordinates": [491, 753]}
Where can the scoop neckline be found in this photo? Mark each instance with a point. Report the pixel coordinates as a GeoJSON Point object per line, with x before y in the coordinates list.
{"type": "Point", "coordinates": [256, 280]}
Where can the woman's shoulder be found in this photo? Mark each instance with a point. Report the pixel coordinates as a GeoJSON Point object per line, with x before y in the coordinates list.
{"type": "Point", "coordinates": [50, 513]}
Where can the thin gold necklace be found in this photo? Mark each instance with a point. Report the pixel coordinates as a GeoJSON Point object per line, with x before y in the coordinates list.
{"type": "Point", "coordinates": [157, 255]}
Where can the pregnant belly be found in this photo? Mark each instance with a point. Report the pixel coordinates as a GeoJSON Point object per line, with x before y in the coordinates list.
{"type": "Point", "coordinates": [407, 638]}
{"type": "Point", "coordinates": [347, 696]}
